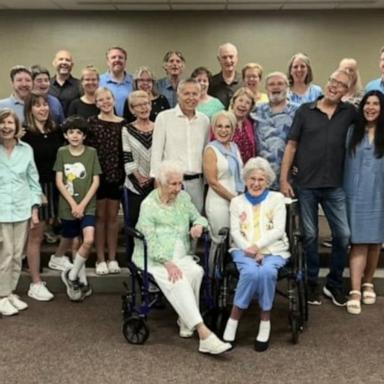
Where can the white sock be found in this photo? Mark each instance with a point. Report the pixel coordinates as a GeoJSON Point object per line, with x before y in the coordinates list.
{"type": "Point", "coordinates": [264, 331]}
{"type": "Point", "coordinates": [83, 275]}
{"type": "Point", "coordinates": [230, 329]}
{"type": "Point", "coordinates": [78, 263]}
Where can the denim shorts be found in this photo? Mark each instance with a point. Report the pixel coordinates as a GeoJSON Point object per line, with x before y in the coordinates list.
{"type": "Point", "coordinates": [74, 228]}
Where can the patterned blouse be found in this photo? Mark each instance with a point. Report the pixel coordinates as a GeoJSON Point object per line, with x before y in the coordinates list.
{"type": "Point", "coordinates": [244, 137]}
{"type": "Point", "coordinates": [105, 136]}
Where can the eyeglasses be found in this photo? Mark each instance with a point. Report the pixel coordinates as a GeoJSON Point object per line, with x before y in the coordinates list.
{"type": "Point", "coordinates": [141, 105]}
{"type": "Point", "coordinates": [336, 83]}
{"type": "Point", "coordinates": [145, 80]}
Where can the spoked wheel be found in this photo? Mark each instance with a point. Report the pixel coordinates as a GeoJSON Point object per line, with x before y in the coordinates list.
{"type": "Point", "coordinates": [135, 330]}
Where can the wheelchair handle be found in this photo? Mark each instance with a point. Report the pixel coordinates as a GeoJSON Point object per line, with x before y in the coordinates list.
{"type": "Point", "coordinates": [135, 233]}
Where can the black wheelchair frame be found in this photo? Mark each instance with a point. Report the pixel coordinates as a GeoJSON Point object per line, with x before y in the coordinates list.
{"type": "Point", "coordinates": [294, 272]}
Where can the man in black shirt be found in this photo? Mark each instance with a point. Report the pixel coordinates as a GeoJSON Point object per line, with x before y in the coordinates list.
{"type": "Point", "coordinates": [225, 83]}
{"type": "Point", "coordinates": [63, 85]}
{"type": "Point", "coordinates": [316, 146]}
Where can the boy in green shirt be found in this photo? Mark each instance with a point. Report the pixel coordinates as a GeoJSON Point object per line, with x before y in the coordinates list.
{"type": "Point", "coordinates": [77, 179]}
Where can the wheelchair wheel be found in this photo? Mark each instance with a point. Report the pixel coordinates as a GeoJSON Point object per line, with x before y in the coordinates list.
{"type": "Point", "coordinates": [216, 320]}
{"type": "Point", "coordinates": [295, 327]}
{"type": "Point", "coordinates": [135, 330]}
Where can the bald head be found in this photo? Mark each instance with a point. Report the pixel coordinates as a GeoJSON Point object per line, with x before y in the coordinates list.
{"type": "Point", "coordinates": [63, 63]}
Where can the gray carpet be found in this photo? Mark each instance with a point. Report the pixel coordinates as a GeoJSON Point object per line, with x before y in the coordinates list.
{"type": "Point", "coordinates": [63, 342]}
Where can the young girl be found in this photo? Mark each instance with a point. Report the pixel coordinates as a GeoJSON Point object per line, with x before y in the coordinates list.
{"type": "Point", "coordinates": [45, 140]}
{"type": "Point", "coordinates": [20, 196]}
{"type": "Point", "coordinates": [105, 135]}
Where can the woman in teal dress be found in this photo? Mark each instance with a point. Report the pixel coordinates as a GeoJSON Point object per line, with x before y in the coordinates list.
{"type": "Point", "coordinates": [364, 188]}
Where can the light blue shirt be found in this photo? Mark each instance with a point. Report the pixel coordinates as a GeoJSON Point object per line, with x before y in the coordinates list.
{"type": "Point", "coordinates": [19, 184]}
{"type": "Point", "coordinates": [164, 87]}
{"type": "Point", "coordinates": [271, 132]}
{"type": "Point", "coordinates": [313, 93]}
{"type": "Point", "coordinates": [120, 90]}
{"type": "Point", "coordinates": [15, 104]}
{"type": "Point", "coordinates": [375, 85]}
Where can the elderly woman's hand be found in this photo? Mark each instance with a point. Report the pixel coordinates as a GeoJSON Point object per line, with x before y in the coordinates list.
{"type": "Point", "coordinates": [259, 257]}
{"type": "Point", "coordinates": [251, 251]}
{"type": "Point", "coordinates": [196, 231]}
{"type": "Point", "coordinates": [174, 273]}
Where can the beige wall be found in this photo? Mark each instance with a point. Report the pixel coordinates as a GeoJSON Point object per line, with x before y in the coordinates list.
{"type": "Point", "coordinates": [269, 38]}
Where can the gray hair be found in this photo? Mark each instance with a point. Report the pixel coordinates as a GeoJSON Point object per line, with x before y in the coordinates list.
{"type": "Point", "coordinates": [277, 74]}
{"type": "Point", "coordinates": [166, 168]}
{"type": "Point", "coordinates": [227, 45]}
{"type": "Point", "coordinates": [227, 114]}
{"type": "Point", "coordinates": [259, 164]}
{"type": "Point", "coordinates": [183, 83]}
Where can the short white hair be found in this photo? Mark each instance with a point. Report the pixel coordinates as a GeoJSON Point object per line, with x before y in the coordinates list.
{"type": "Point", "coordinates": [166, 169]}
{"type": "Point", "coordinates": [277, 74]}
{"type": "Point", "coordinates": [259, 164]}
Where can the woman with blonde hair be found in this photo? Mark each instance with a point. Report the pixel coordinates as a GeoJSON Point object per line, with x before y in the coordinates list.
{"type": "Point", "coordinates": [300, 76]}
{"type": "Point", "coordinates": [252, 74]}
{"type": "Point", "coordinates": [355, 92]}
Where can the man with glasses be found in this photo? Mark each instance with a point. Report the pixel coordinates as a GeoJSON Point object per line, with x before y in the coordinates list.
{"type": "Point", "coordinates": [316, 147]}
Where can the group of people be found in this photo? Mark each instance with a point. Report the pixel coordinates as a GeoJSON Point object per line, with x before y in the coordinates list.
{"type": "Point", "coordinates": [67, 146]}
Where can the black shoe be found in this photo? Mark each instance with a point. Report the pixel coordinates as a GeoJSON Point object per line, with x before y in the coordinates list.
{"type": "Point", "coordinates": [73, 286]}
{"type": "Point", "coordinates": [313, 294]}
{"type": "Point", "coordinates": [261, 346]}
{"type": "Point", "coordinates": [337, 295]}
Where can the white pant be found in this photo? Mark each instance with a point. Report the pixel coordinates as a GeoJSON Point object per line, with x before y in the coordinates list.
{"type": "Point", "coordinates": [12, 241]}
{"type": "Point", "coordinates": [184, 293]}
{"type": "Point", "coordinates": [195, 189]}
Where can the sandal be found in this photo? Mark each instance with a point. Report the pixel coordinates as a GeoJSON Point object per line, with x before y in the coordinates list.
{"type": "Point", "coordinates": [354, 305]}
{"type": "Point", "coordinates": [101, 268]}
{"type": "Point", "coordinates": [369, 295]}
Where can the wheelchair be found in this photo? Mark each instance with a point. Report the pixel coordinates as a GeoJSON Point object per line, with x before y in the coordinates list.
{"type": "Point", "coordinates": [294, 273]}
{"type": "Point", "coordinates": [143, 294]}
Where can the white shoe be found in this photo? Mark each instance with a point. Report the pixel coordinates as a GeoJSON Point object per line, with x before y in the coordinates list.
{"type": "Point", "coordinates": [213, 345]}
{"type": "Point", "coordinates": [39, 291]}
{"type": "Point", "coordinates": [59, 263]}
{"type": "Point", "coordinates": [16, 302]}
{"type": "Point", "coordinates": [184, 331]}
{"type": "Point", "coordinates": [101, 268]}
{"type": "Point", "coordinates": [113, 267]}
{"type": "Point", "coordinates": [6, 308]}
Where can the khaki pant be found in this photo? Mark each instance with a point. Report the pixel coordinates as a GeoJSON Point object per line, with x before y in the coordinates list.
{"type": "Point", "coordinates": [12, 241]}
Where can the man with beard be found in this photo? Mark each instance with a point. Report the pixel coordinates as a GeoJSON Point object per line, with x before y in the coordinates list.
{"type": "Point", "coordinates": [21, 81]}
{"type": "Point", "coordinates": [63, 85]}
{"type": "Point", "coordinates": [173, 64]}
{"type": "Point", "coordinates": [225, 83]}
{"type": "Point", "coordinates": [116, 78]}
{"type": "Point", "coordinates": [316, 146]}
{"type": "Point", "coordinates": [273, 121]}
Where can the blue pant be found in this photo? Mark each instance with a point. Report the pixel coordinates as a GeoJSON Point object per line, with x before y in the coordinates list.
{"type": "Point", "coordinates": [332, 200]}
{"type": "Point", "coordinates": [256, 279]}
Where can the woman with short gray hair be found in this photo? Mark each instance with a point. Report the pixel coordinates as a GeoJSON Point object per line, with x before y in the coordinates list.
{"type": "Point", "coordinates": [260, 247]}
{"type": "Point", "coordinates": [168, 219]}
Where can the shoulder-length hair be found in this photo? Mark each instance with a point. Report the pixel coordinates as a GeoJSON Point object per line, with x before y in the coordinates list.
{"type": "Point", "coordinates": [303, 57]}
{"type": "Point", "coordinates": [29, 120]}
{"type": "Point", "coordinates": [6, 112]}
{"type": "Point", "coordinates": [358, 131]}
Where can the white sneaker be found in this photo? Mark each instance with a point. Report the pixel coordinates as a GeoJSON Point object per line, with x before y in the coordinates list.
{"type": "Point", "coordinates": [59, 263]}
{"type": "Point", "coordinates": [213, 345]}
{"type": "Point", "coordinates": [101, 268]}
{"type": "Point", "coordinates": [16, 302]}
{"type": "Point", "coordinates": [6, 308]}
{"type": "Point", "coordinates": [113, 267]}
{"type": "Point", "coordinates": [184, 331]}
{"type": "Point", "coordinates": [39, 291]}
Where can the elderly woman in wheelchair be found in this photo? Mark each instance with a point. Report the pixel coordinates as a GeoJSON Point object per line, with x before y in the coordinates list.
{"type": "Point", "coordinates": [165, 219]}
{"type": "Point", "coordinates": [260, 247]}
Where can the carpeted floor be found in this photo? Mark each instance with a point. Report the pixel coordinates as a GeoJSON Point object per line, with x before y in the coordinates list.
{"type": "Point", "coordinates": [63, 342]}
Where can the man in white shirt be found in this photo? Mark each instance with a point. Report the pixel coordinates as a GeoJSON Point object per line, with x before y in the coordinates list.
{"type": "Point", "coordinates": [180, 135]}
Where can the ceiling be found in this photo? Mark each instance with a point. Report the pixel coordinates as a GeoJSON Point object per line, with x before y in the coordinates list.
{"type": "Point", "coordinates": [185, 5]}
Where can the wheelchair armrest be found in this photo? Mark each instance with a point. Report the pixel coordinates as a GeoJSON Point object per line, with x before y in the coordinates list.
{"type": "Point", "coordinates": [135, 233]}
{"type": "Point", "coordinates": [224, 233]}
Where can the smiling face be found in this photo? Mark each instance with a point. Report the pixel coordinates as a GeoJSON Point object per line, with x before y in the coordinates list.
{"type": "Point", "coordinates": [116, 61]}
{"type": "Point", "coordinates": [203, 80]}
{"type": "Point", "coordinates": [105, 101]}
{"type": "Point", "coordinates": [174, 66]}
{"type": "Point", "coordinates": [223, 130]}
{"type": "Point", "coordinates": [299, 71]}
{"type": "Point", "coordinates": [89, 81]}
{"type": "Point", "coordinates": [277, 89]}
{"type": "Point", "coordinates": [8, 128]}
{"type": "Point", "coordinates": [41, 84]}
{"type": "Point", "coordinates": [63, 63]}
{"type": "Point", "coordinates": [252, 78]}
{"type": "Point", "coordinates": [22, 85]}
{"type": "Point", "coordinates": [241, 107]}
{"type": "Point", "coordinates": [75, 137]}
{"type": "Point", "coordinates": [256, 182]}
{"type": "Point", "coordinates": [145, 82]}
{"type": "Point", "coordinates": [172, 188]}
{"type": "Point", "coordinates": [188, 97]}
{"type": "Point", "coordinates": [336, 87]}
{"type": "Point", "coordinates": [372, 109]}
{"type": "Point", "coordinates": [40, 110]}
{"type": "Point", "coordinates": [228, 58]}
{"type": "Point", "coordinates": [141, 108]}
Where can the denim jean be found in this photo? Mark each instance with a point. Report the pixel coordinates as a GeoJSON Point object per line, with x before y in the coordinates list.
{"type": "Point", "coordinates": [332, 200]}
